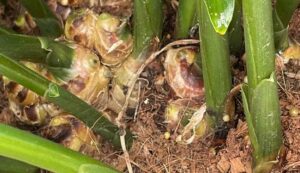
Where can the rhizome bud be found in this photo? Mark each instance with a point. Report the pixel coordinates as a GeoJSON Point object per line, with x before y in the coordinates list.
{"type": "Point", "coordinates": [182, 73]}
{"type": "Point", "coordinates": [185, 117]}
{"type": "Point", "coordinates": [107, 34]}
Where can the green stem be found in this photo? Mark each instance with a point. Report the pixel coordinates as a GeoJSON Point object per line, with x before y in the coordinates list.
{"type": "Point", "coordinates": [261, 94]}
{"type": "Point", "coordinates": [44, 17]}
{"type": "Point", "coordinates": [236, 32]}
{"type": "Point", "coordinates": [36, 49]}
{"type": "Point", "coordinates": [148, 16]}
{"type": "Point", "coordinates": [282, 15]}
{"type": "Point", "coordinates": [259, 41]}
{"type": "Point", "coordinates": [185, 17]}
{"type": "Point", "coordinates": [69, 102]}
{"type": "Point", "coordinates": [23, 146]}
{"type": "Point", "coordinates": [13, 166]}
{"type": "Point", "coordinates": [285, 10]}
{"type": "Point", "coordinates": [215, 63]}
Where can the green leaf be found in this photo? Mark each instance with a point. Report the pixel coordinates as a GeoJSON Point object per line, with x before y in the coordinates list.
{"type": "Point", "coordinates": [92, 168]}
{"type": "Point", "coordinates": [34, 150]}
{"type": "Point", "coordinates": [22, 47]}
{"type": "Point", "coordinates": [54, 31]}
{"type": "Point", "coordinates": [220, 13]}
{"type": "Point", "coordinates": [251, 128]}
{"type": "Point", "coordinates": [57, 56]}
{"type": "Point", "coordinates": [281, 39]}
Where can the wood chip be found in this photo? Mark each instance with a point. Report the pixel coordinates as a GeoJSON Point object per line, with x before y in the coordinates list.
{"type": "Point", "coordinates": [237, 166]}
{"type": "Point", "coordinates": [223, 165]}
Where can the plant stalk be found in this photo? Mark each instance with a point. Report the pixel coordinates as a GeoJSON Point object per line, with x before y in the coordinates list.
{"type": "Point", "coordinates": [236, 32]}
{"type": "Point", "coordinates": [282, 14]}
{"type": "Point", "coordinates": [37, 50]}
{"type": "Point", "coordinates": [215, 64]}
{"type": "Point", "coordinates": [185, 17]}
{"type": "Point", "coordinates": [260, 97]}
{"type": "Point", "coordinates": [148, 21]}
{"type": "Point", "coordinates": [148, 16]}
{"type": "Point", "coordinates": [285, 10]}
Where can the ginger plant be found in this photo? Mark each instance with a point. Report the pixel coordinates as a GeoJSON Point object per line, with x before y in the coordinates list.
{"type": "Point", "coordinates": [260, 96]}
{"type": "Point", "coordinates": [121, 56]}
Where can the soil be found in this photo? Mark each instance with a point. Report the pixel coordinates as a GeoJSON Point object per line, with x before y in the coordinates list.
{"type": "Point", "coordinates": [152, 152]}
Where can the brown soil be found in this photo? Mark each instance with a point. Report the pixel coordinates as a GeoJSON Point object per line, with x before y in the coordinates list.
{"type": "Point", "coordinates": [151, 152]}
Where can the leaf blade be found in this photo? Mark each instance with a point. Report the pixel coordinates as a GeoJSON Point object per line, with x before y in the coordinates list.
{"type": "Point", "coordinates": [220, 13]}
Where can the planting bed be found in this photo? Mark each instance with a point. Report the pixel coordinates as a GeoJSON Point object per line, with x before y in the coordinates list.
{"type": "Point", "coordinates": [153, 152]}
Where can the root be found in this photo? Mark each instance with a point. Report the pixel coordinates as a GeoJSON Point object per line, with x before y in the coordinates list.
{"type": "Point", "coordinates": [126, 155]}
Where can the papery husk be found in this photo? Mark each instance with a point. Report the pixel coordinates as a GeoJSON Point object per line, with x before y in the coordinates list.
{"type": "Point", "coordinates": [188, 119]}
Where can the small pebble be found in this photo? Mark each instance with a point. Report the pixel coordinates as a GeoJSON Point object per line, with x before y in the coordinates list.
{"type": "Point", "coordinates": [167, 135]}
{"type": "Point", "coordinates": [226, 118]}
{"type": "Point", "coordinates": [294, 111]}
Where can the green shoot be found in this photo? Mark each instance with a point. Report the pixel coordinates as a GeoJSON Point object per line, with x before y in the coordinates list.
{"type": "Point", "coordinates": [185, 17]}
{"type": "Point", "coordinates": [215, 64]}
{"type": "Point", "coordinates": [147, 24]}
{"type": "Point", "coordinates": [260, 95]}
